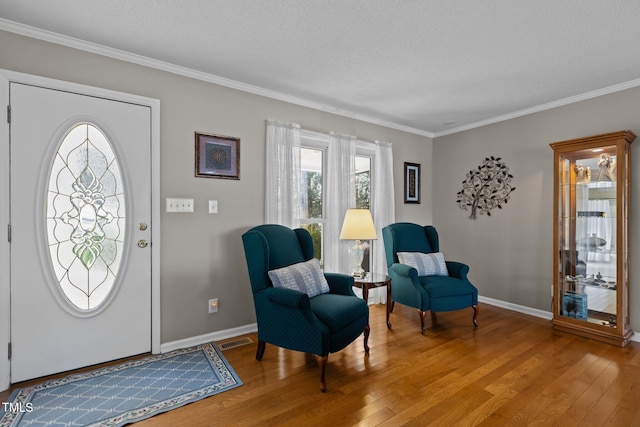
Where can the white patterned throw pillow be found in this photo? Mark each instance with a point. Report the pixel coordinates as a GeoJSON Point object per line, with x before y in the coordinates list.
{"type": "Point", "coordinates": [432, 264]}
{"type": "Point", "coordinates": [305, 277]}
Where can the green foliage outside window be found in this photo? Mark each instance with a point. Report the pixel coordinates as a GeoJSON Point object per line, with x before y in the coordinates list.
{"type": "Point", "coordinates": [313, 186]}
{"type": "Point", "coordinates": [363, 190]}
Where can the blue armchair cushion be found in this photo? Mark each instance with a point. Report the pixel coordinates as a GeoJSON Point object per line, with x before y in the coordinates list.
{"type": "Point", "coordinates": [338, 312]}
{"type": "Point", "coordinates": [449, 293]}
{"type": "Point", "coordinates": [431, 264]}
{"type": "Point", "coordinates": [306, 277]}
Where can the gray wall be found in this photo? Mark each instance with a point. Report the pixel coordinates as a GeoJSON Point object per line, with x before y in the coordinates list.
{"type": "Point", "coordinates": [510, 252]}
{"type": "Point", "coordinates": [202, 254]}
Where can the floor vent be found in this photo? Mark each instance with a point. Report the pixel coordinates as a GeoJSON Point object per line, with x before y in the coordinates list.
{"type": "Point", "coordinates": [235, 343]}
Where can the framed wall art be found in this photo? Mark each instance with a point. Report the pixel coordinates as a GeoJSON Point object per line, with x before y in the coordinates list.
{"type": "Point", "coordinates": [411, 182]}
{"type": "Point", "coordinates": [217, 156]}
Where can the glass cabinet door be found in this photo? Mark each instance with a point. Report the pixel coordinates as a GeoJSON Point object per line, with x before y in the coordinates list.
{"type": "Point", "coordinates": [587, 236]}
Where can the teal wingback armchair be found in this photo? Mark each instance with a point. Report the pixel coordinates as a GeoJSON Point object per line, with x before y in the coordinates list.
{"type": "Point", "coordinates": [430, 292]}
{"type": "Point", "coordinates": [287, 318]}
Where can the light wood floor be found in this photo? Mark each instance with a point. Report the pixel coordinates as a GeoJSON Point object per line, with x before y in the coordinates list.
{"type": "Point", "coordinates": [512, 370]}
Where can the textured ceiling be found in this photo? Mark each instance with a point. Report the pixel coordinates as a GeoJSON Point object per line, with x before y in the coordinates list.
{"type": "Point", "coordinates": [433, 67]}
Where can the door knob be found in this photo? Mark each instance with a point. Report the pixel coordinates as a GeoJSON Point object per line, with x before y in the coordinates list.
{"type": "Point", "coordinates": [142, 243]}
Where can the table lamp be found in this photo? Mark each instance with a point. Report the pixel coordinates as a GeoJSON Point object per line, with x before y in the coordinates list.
{"type": "Point", "coordinates": [358, 226]}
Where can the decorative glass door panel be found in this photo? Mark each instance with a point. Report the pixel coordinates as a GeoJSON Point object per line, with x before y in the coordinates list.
{"type": "Point", "coordinates": [591, 204]}
{"type": "Point", "coordinates": [85, 216]}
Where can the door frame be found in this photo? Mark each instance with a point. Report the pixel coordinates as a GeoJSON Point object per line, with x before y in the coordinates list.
{"type": "Point", "coordinates": [7, 76]}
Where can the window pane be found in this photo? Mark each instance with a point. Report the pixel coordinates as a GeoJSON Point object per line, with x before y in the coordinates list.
{"type": "Point", "coordinates": [363, 199]}
{"type": "Point", "coordinates": [316, 235]}
{"type": "Point", "coordinates": [363, 182]}
{"type": "Point", "coordinates": [311, 194]}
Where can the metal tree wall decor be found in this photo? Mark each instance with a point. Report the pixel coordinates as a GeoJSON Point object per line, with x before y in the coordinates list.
{"type": "Point", "coordinates": [486, 188]}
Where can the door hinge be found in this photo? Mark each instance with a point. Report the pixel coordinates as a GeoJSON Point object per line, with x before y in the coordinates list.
{"type": "Point", "coordinates": [9, 233]}
{"type": "Point", "coordinates": [8, 113]}
{"type": "Point", "coordinates": [9, 350]}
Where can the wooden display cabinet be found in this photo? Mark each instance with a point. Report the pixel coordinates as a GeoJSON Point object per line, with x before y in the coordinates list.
{"type": "Point", "coordinates": [591, 236]}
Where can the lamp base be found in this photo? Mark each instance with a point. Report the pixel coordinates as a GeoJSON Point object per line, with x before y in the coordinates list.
{"type": "Point", "coordinates": [358, 274]}
{"type": "Point", "coordinates": [358, 256]}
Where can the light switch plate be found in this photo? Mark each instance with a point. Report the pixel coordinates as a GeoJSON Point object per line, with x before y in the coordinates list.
{"type": "Point", "coordinates": [213, 206]}
{"type": "Point", "coordinates": [179, 205]}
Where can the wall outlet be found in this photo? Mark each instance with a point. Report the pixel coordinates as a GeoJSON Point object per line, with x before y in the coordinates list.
{"type": "Point", "coordinates": [213, 305]}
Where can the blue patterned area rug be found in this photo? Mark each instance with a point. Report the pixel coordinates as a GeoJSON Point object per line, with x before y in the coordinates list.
{"type": "Point", "coordinates": [125, 393]}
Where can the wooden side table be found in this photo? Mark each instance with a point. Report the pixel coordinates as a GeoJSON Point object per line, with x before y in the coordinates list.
{"type": "Point", "coordinates": [375, 280]}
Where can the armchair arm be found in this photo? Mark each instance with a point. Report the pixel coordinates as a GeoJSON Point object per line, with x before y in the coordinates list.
{"type": "Point", "coordinates": [340, 283]}
{"type": "Point", "coordinates": [457, 269]}
{"type": "Point", "coordinates": [406, 287]}
{"type": "Point", "coordinates": [404, 270]}
{"type": "Point", "coordinates": [288, 298]}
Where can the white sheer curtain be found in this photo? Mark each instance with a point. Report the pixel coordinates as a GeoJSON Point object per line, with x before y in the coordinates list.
{"type": "Point", "coordinates": [282, 186]}
{"type": "Point", "coordinates": [382, 208]}
{"type": "Point", "coordinates": [382, 201]}
{"type": "Point", "coordinates": [340, 195]}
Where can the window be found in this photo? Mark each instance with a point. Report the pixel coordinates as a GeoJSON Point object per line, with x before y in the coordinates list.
{"type": "Point", "coordinates": [363, 182]}
{"type": "Point", "coordinates": [311, 195]}
{"type": "Point", "coordinates": [363, 198]}
{"type": "Point", "coordinates": [312, 178]}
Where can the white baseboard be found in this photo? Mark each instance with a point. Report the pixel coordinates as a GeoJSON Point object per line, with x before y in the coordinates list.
{"type": "Point", "coordinates": [516, 307]}
{"type": "Point", "coordinates": [528, 310]}
{"type": "Point", "coordinates": [253, 327]}
{"type": "Point", "coordinates": [203, 339]}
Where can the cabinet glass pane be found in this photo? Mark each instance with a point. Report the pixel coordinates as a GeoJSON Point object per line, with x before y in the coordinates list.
{"type": "Point", "coordinates": [587, 236]}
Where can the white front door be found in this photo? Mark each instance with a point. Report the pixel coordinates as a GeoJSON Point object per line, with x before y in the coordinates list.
{"type": "Point", "coordinates": [80, 200]}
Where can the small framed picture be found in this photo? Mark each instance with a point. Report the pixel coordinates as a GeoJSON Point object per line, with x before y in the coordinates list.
{"type": "Point", "coordinates": [411, 182]}
{"type": "Point", "coordinates": [217, 156]}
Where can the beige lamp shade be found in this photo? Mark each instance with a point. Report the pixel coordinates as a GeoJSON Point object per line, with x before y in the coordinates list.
{"type": "Point", "coordinates": [358, 225]}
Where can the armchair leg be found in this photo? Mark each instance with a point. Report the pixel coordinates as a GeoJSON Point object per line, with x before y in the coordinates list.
{"type": "Point", "coordinates": [422, 314]}
{"type": "Point", "coordinates": [475, 314]}
{"type": "Point", "coordinates": [434, 317]}
{"type": "Point", "coordinates": [367, 330]}
{"type": "Point", "coordinates": [322, 363]}
{"type": "Point", "coordinates": [393, 305]}
{"type": "Point", "coordinates": [260, 351]}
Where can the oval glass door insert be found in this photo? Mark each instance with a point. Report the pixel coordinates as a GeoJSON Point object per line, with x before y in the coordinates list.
{"type": "Point", "coordinates": [85, 216]}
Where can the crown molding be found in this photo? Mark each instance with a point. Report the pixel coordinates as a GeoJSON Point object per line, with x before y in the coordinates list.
{"type": "Point", "coordinates": [102, 50]}
{"type": "Point", "coordinates": [548, 106]}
